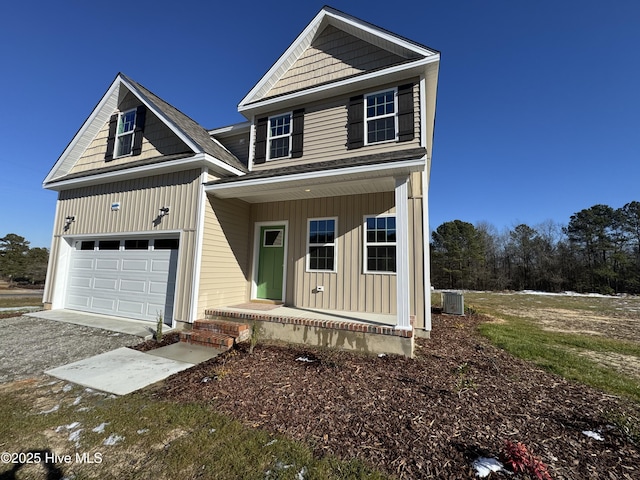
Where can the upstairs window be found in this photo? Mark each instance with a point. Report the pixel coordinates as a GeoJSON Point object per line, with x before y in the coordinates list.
{"type": "Point", "coordinates": [280, 136]}
{"type": "Point", "coordinates": [380, 113]}
{"type": "Point", "coordinates": [124, 134]}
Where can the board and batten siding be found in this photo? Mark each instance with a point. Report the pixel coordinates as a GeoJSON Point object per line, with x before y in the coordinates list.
{"type": "Point", "coordinates": [325, 133]}
{"type": "Point", "coordinates": [158, 140]}
{"type": "Point", "coordinates": [348, 289]}
{"type": "Point", "coordinates": [140, 200]}
{"type": "Point", "coordinates": [332, 56]}
{"type": "Point", "coordinates": [224, 269]}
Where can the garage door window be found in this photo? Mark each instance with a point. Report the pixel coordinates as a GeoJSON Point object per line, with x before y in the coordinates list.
{"type": "Point", "coordinates": [136, 244]}
{"type": "Point", "coordinates": [87, 245]}
{"type": "Point", "coordinates": [109, 245]}
{"type": "Point", "coordinates": [166, 244]}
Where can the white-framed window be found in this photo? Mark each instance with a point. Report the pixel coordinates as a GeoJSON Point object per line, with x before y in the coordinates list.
{"type": "Point", "coordinates": [380, 112]}
{"type": "Point", "coordinates": [279, 136]}
{"type": "Point", "coordinates": [124, 133]}
{"type": "Point", "coordinates": [321, 244]}
{"type": "Point", "coordinates": [379, 244]}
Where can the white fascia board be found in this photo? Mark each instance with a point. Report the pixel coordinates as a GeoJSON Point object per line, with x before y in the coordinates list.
{"type": "Point", "coordinates": [416, 164]}
{"type": "Point", "coordinates": [304, 37]}
{"type": "Point", "coordinates": [158, 113]}
{"type": "Point", "coordinates": [378, 32]}
{"type": "Point", "coordinates": [112, 92]}
{"type": "Point", "coordinates": [342, 83]}
{"type": "Point", "coordinates": [151, 169]}
{"type": "Point", "coordinates": [220, 165]}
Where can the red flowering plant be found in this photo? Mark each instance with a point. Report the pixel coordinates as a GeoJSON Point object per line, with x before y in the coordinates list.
{"type": "Point", "coordinates": [518, 457]}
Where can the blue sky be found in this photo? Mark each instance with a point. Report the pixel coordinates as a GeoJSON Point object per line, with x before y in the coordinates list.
{"type": "Point", "coordinates": [538, 111]}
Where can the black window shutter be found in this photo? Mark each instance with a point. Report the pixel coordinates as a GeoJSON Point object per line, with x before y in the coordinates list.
{"type": "Point", "coordinates": [355, 122]}
{"type": "Point", "coordinates": [261, 141]}
{"type": "Point", "coordinates": [297, 136]}
{"type": "Point", "coordinates": [111, 140]}
{"type": "Point", "coordinates": [405, 113]}
{"type": "Point", "coordinates": [141, 113]}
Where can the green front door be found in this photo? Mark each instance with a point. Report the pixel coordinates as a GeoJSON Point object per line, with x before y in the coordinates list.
{"type": "Point", "coordinates": [271, 262]}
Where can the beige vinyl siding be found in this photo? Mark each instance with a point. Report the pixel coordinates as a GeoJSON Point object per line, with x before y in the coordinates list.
{"type": "Point", "coordinates": [159, 140]}
{"type": "Point", "coordinates": [349, 289]}
{"type": "Point", "coordinates": [325, 133]}
{"type": "Point", "coordinates": [224, 272]}
{"type": "Point", "coordinates": [140, 200]}
{"type": "Point", "coordinates": [332, 56]}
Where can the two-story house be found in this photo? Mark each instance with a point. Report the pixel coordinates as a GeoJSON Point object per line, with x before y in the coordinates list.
{"type": "Point", "coordinates": [318, 202]}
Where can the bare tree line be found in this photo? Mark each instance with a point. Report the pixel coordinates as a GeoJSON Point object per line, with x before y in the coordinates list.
{"type": "Point", "coordinates": [597, 251]}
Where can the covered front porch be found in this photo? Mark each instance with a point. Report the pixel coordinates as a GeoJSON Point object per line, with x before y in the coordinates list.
{"type": "Point", "coordinates": [358, 331]}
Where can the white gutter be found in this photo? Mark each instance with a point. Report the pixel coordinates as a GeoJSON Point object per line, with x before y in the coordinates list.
{"type": "Point", "coordinates": [197, 265]}
{"type": "Point", "coordinates": [201, 159]}
{"type": "Point", "coordinates": [377, 167]}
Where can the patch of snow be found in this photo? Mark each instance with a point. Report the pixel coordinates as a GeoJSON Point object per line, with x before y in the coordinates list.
{"type": "Point", "coordinates": [84, 409]}
{"type": "Point", "coordinates": [484, 466]}
{"type": "Point", "coordinates": [270, 443]}
{"type": "Point", "coordinates": [304, 359]}
{"type": "Point", "coordinates": [100, 428]}
{"type": "Point", "coordinates": [67, 388]}
{"type": "Point", "coordinates": [75, 437]}
{"type": "Point", "coordinates": [51, 410]}
{"type": "Point", "coordinates": [301, 474]}
{"type": "Point", "coordinates": [143, 430]}
{"type": "Point", "coordinates": [116, 334]}
{"type": "Point", "coordinates": [76, 401]}
{"type": "Point", "coordinates": [594, 435]}
{"type": "Point", "coordinates": [113, 440]}
{"type": "Point", "coordinates": [212, 430]}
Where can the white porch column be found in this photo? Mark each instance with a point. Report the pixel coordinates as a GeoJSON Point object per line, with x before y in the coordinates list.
{"type": "Point", "coordinates": [402, 253]}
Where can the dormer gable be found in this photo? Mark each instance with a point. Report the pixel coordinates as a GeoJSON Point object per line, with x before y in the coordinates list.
{"type": "Point", "coordinates": [336, 51]}
{"type": "Point", "coordinates": [131, 126]}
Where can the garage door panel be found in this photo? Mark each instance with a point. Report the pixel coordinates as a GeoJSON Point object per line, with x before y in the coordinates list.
{"type": "Point", "coordinates": [83, 264]}
{"type": "Point", "coordinates": [78, 301]}
{"type": "Point", "coordinates": [80, 281]}
{"type": "Point", "coordinates": [131, 307]}
{"type": "Point", "coordinates": [109, 284]}
{"type": "Point", "coordinates": [137, 284]}
{"type": "Point", "coordinates": [133, 286]}
{"type": "Point", "coordinates": [103, 304]}
{"type": "Point", "coordinates": [107, 264]}
{"type": "Point", "coordinates": [135, 265]}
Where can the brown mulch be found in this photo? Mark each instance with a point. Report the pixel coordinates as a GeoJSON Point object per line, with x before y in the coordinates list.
{"type": "Point", "coordinates": [429, 417]}
{"type": "Point", "coordinates": [152, 344]}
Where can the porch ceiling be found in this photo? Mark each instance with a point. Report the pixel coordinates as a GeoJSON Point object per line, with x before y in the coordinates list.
{"type": "Point", "coordinates": [317, 184]}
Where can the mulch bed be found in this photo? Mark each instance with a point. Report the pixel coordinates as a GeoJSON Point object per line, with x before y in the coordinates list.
{"type": "Point", "coordinates": [152, 344]}
{"type": "Point", "coordinates": [429, 417]}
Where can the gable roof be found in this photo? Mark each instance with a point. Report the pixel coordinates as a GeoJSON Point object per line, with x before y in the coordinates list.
{"type": "Point", "coordinates": [190, 132]}
{"type": "Point", "coordinates": [414, 53]}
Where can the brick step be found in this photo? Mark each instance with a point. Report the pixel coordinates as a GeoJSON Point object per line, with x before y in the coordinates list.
{"type": "Point", "coordinates": [207, 339]}
{"type": "Point", "coordinates": [240, 331]}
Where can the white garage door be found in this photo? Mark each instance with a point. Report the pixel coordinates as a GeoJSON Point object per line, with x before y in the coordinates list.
{"type": "Point", "coordinates": [133, 278]}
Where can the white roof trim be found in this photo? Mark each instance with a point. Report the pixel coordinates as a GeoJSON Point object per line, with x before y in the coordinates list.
{"type": "Point", "coordinates": [201, 159]}
{"type": "Point", "coordinates": [381, 168]}
{"type": "Point", "coordinates": [99, 116]}
{"type": "Point", "coordinates": [352, 25]}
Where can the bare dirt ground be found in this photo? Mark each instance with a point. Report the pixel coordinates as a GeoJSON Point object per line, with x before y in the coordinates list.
{"type": "Point", "coordinates": [430, 417]}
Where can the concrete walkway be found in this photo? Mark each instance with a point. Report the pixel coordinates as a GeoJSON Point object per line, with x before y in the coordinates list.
{"type": "Point", "coordinates": [123, 370]}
